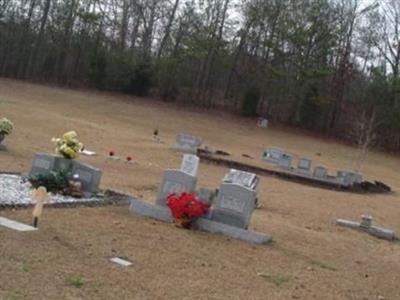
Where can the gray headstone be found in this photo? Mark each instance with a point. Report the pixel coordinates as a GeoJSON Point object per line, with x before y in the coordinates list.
{"type": "Point", "coordinates": [304, 164]}
{"type": "Point", "coordinates": [190, 164]}
{"type": "Point", "coordinates": [262, 122]}
{"type": "Point", "coordinates": [187, 143]}
{"type": "Point", "coordinates": [320, 172]}
{"type": "Point", "coordinates": [242, 178]}
{"type": "Point", "coordinates": [43, 163]}
{"type": "Point", "coordinates": [175, 182]}
{"type": "Point", "coordinates": [348, 177]}
{"type": "Point", "coordinates": [272, 154]}
{"type": "Point", "coordinates": [285, 161]}
{"type": "Point", "coordinates": [234, 205]}
{"type": "Point", "coordinates": [88, 176]}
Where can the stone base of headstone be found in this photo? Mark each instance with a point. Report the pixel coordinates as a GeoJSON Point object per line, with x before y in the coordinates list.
{"type": "Point", "coordinates": [378, 232]}
{"type": "Point", "coordinates": [230, 231]}
{"type": "Point", "coordinates": [163, 213]}
{"type": "Point", "coordinates": [145, 209]}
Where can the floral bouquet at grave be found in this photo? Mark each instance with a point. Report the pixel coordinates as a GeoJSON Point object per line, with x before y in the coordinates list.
{"type": "Point", "coordinates": [69, 145]}
{"type": "Point", "coordinates": [6, 126]}
{"type": "Point", "coordinates": [185, 208]}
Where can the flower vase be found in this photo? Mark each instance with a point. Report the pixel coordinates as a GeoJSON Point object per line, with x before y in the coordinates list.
{"type": "Point", "coordinates": [2, 136]}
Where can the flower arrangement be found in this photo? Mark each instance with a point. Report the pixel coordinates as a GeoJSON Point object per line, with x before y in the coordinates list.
{"type": "Point", "coordinates": [185, 208]}
{"type": "Point", "coordinates": [6, 126]}
{"type": "Point", "coordinates": [69, 145]}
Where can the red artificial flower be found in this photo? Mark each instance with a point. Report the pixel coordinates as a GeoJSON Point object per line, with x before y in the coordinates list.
{"type": "Point", "coordinates": [186, 206]}
{"type": "Point", "coordinates": [129, 158]}
{"type": "Point", "coordinates": [111, 153]}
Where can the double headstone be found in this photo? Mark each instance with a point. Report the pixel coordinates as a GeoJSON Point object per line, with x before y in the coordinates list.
{"type": "Point", "coordinates": [88, 176]}
{"type": "Point", "coordinates": [175, 182]}
{"type": "Point", "coordinates": [187, 143]}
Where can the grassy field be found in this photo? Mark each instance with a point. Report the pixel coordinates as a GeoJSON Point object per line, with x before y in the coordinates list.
{"type": "Point", "coordinates": [67, 258]}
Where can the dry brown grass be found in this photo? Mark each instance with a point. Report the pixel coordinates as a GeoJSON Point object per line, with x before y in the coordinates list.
{"type": "Point", "coordinates": [310, 259]}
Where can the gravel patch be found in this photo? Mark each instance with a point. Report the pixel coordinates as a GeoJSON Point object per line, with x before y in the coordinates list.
{"type": "Point", "coordinates": [14, 191]}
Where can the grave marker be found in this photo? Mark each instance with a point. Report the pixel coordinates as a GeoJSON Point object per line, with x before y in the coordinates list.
{"type": "Point", "coordinates": [43, 163]}
{"type": "Point", "coordinates": [190, 164]}
{"type": "Point", "coordinates": [272, 155]}
{"type": "Point", "coordinates": [320, 172]}
{"type": "Point", "coordinates": [175, 182]}
{"type": "Point", "coordinates": [234, 205]}
{"type": "Point", "coordinates": [188, 143]}
{"type": "Point", "coordinates": [242, 178]}
{"type": "Point", "coordinates": [88, 176]}
{"type": "Point", "coordinates": [304, 164]}
{"type": "Point", "coordinates": [285, 161]}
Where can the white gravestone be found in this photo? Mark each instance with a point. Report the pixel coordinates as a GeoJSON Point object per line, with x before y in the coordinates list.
{"type": "Point", "coordinates": [243, 178]}
{"type": "Point", "coordinates": [234, 205]}
{"type": "Point", "coordinates": [175, 182]}
{"type": "Point", "coordinates": [190, 164]}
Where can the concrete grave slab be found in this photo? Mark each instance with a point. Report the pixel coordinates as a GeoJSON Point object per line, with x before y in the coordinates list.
{"type": "Point", "coordinates": [121, 262]}
{"type": "Point", "coordinates": [162, 213]}
{"type": "Point", "coordinates": [15, 225]}
{"type": "Point", "coordinates": [175, 182]}
{"type": "Point", "coordinates": [366, 226]}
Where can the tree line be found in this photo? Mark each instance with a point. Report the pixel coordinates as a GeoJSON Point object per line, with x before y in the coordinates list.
{"type": "Point", "coordinates": [331, 66]}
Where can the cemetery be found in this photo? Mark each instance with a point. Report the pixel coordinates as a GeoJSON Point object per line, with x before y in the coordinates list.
{"type": "Point", "coordinates": [145, 215]}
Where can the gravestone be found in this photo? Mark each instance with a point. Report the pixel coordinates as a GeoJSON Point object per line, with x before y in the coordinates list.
{"type": "Point", "coordinates": [285, 161]}
{"type": "Point", "coordinates": [262, 122]}
{"type": "Point", "coordinates": [43, 163]}
{"type": "Point", "coordinates": [304, 164]}
{"type": "Point", "coordinates": [190, 164]}
{"type": "Point", "coordinates": [175, 182]}
{"type": "Point", "coordinates": [187, 143]}
{"type": "Point", "coordinates": [320, 172]}
{"type": "Point", "coordinates": [242, 178]}
{"type": "Point", "coordinates": [348, 177]}
{"type": "Point", "coordinates": [272, 155]}
{"type": "Point", "coordinates": [88, 176]}
{"type": "Point", "coordinates": [234, 205]}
